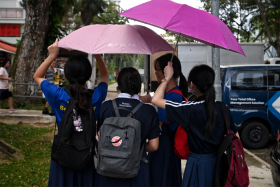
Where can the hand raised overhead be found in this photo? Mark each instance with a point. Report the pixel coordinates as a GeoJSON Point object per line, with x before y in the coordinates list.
{"type": "Point", "coordinates": [54, 49]}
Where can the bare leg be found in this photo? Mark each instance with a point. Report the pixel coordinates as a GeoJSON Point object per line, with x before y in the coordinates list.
{"type": "Point", "coordinates": [10, 101]}
{"type": "Point", "coordinates": [47, 105]}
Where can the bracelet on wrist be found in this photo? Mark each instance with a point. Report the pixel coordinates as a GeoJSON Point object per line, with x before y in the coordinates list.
{"type": "Point", "coordinates": [164, 80]}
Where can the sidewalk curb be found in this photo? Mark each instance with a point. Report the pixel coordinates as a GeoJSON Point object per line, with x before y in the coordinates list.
{"type": "Point", "coordinates": [257, 158]}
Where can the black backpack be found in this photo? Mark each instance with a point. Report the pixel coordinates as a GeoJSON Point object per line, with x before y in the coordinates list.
{"type": "Point", "coordinates": [73, 146]}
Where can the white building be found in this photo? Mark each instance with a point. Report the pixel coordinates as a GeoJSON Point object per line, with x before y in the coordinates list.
{"type": "Point", "coordinates": [12, 17]}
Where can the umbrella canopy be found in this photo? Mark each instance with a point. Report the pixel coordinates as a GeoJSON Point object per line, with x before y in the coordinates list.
{"type": "Point", "coordinates": [98, 39]}
{"type": "Point", "coordinates": [190, 22]}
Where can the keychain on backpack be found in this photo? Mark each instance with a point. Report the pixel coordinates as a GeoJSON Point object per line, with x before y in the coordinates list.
{"type": "Point", "coordinates": [77, 122]}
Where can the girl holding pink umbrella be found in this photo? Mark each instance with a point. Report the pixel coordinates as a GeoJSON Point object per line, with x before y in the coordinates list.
{"type": "Point", "coordinates": [165, 166]}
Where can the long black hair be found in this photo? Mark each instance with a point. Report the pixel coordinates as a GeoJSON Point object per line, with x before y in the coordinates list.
{"type": "Point", "coordinates": [203, 78]}
{"type": "Point", "coordinates": [176, 64]}
{"type": "Point", "coordinates": [5, 61]}
{"type": "Point", "coordinates": [129, 81]}
{"type": "Point", "coordinates": [77, 71]}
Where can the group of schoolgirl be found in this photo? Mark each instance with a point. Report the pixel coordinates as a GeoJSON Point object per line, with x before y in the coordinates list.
{"type": "Point", "coordinates": [202, 120]}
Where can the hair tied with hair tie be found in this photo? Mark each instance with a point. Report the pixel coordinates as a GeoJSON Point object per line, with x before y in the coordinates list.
{"type": "Point", "coordinates": [75, 81]}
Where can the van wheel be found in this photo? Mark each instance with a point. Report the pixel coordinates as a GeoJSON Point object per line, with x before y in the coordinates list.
{"type": "Point", "coordinates": [255, 135]}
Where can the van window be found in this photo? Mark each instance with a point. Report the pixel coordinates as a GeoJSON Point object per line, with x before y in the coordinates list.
{"type": "Point", "coordinates": [273, 79]}
{"type": "Point", "coordinates": [248, 80]}
{"type": "Point", "coordinates": [277, 62]}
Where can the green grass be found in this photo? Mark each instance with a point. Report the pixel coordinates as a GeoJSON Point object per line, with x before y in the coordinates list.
{"type": "Point", "coordinates": [24, 105]}
{"type": "Point", "coordinates": [111, 82]}
{"type": "Point", "coordinates": [35, 146]}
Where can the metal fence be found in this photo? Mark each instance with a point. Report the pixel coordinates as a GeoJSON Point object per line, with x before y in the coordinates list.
{"type": "Point", "coordinates": [29, 84]}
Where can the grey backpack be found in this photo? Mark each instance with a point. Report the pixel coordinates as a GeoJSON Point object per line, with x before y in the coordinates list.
{"type": "Point", "coordinates": [119, 153]}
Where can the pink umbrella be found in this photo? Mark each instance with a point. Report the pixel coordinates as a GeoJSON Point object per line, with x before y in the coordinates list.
{"type": "Point", "coordinates": [188, 21]}
{"type": "Point", "coordinates": [98, 39]}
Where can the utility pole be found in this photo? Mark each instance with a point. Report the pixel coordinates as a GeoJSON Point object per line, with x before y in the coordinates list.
{"type": "Point", "coordinates": [93, 75]}
{"type": "Point", "coordinates": [134, 60]}
{"type": "Point", "coordinates": [216, 55]}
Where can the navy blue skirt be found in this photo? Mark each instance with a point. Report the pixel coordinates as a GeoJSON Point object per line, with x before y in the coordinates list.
{"type": "Point", "coordinates": [61, 176]}
{"type": "Point", "coordinates": [142, 179]}
{"type": "Point", "coordinates": [165, 166]}
{"type": "Point", "coordinates": [199, 171]}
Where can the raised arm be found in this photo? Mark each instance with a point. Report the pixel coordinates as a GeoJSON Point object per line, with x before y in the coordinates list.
{"type": "Point", "coordinates": [102, 68]}
{"type": "Point", "coordinates": [41, 71]}
{"type": "Point", "coordinates": [159, 94]}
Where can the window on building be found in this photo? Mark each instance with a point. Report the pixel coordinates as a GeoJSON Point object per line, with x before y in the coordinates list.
{"type": "Point", "coordinates": [248, 80]}
{"type": "Point", "coordinates": [11, 30]}
{"type": "Point", "coordinates": [11, 13]}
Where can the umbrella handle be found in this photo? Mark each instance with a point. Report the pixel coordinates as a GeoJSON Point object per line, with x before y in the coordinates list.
{"type": "Point", "coordinates": [175, 48]}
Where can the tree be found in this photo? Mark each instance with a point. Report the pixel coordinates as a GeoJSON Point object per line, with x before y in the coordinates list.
{"type": "Point", "coordinates": [270, 14]}
{"type": "Point", "coordinates": [73, 20]}
{"type": "Point", "coordinates": [40, 29]}
{"type": "Point", "coordinates": [171, 37]}
{"type": "Point", "coordinates": [31, 49]}
{"type": "Point", "coordinates": [91, 8]}
{"type": "Point", "coordinates": [111, 15]}
{"type": "Point", "coordinates": [244, 19]}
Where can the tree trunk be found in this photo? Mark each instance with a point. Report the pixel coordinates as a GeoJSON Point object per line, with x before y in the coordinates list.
{"type": "Point", "coordinates": [87, 16]}
{"type": "Point", "coordinates": [30, 54]}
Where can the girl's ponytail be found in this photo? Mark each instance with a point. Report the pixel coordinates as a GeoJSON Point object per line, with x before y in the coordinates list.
{"type": "Point", "coordinates": [210, 105]}
{"type": "Point", "coordinates": [81, 96]}
{"type": "Point", "coordinates": [77, 71]}
{"type": "Point", "coordinates": [183, 85]}
{"type": "Point", "coordinates": [203, 77]}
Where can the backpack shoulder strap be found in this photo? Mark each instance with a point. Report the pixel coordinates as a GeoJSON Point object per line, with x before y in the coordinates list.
{"type": "Point", "coordinates": [136, 108]}
{"type": "Point", "coordinates": [116, 108]}
{"type": "Point", "coordinates": [178, 92]}
{"type": "Point", "coordinates": [226, 115]}
{"type": "Point", "coordinates": [225, 146]}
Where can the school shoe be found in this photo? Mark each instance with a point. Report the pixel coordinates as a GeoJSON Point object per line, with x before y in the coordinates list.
{"type": "Point", "coordinates": [52, 113]}
{"type": "Point", "coordinates": [45, 111]}
{"type": "Point", "coordinates": [12, 111]}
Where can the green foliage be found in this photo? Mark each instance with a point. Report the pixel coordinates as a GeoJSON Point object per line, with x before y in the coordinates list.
{"type": "Point", "coordinates": [14, 65]}
{"type": "Point", "coordinates": [89, 9]}
{"type": "Point", "coordinates": [33, 170]}
{"type": "Point", "coordinates": [171, 37]}
{"type": "Point", "coordinates": [58, 10]}
{"type": "Point", "coordinates": [26, 105]}
{"type": "Point", "coordinates": [244, 19]}
{"type": "Point", "coordinates": [73, 21]}
{"type": "Point", "coordinates": [111, 15]}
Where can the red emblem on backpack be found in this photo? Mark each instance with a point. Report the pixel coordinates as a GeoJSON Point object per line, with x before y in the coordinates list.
{"type": "Point", "coordinates": [115, 139]}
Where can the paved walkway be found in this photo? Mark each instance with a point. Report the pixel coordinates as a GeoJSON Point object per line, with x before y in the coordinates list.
{"type": "Point", "coordinates": [31, 117]}
{"type": "Point", "coordinates": [259, 171]}
{"type": "Point", "coordinates": [113, 87]}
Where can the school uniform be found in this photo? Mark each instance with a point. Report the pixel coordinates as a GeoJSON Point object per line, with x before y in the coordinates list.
{"type": "Point", "coordinates": [192, 116]}
{"type": "Point", "coordinates": [148, 118]}
{"type": "Point", "coordinates": [165, 166]}
{"type": "Point", "coordinates": [58, 99]}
